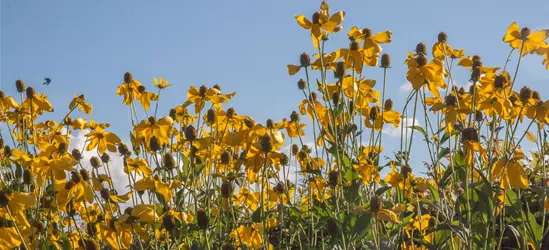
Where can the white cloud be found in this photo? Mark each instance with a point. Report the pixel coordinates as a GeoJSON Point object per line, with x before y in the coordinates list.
{"type": "Point", "coordinates": [407, 86]}
{"type": "Point", "coordinates": [116, 165]}
{"type": "Point", "coordinates": [397, 132]}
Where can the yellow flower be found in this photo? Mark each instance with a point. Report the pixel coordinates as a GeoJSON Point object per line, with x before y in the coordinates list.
{"type": "Point", "coordinates": [511, 174]}
{"type": "Point", "coordinates": [162, 129]}
{"type": "Point", "coordinates": [321, 21]}
{"type": "Point", "coordinates": [129, 89]}
{"type": "Point", "coordinates": [80, 102]}
{"type": "Point", "coordinates": [420, 72]}
{"type": "Point", "coordinates": [525, 40]}
{"type": "Point", "coordinates": [102, 140]}
{"type": "Point", "coordinates": [161, 84]}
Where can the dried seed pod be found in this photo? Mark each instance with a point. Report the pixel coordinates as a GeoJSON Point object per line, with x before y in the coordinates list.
{"type": "Point", "coordinates": [202, 219]}
{"type": "Point", "coordinates": [20, 86]}
{"type": "Point", "coordinates": [304, 60]}
{"type": "Point", "coordinates": [95, 162]}
{"type": "Point", "coordinates": [385, 61]}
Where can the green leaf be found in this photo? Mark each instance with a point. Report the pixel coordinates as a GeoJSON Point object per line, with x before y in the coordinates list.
{"type": "Point", "coordinates": [382, 190]}
{"type": "Point", "coordinates": [459, 158]}
{"type": "Point", "coordinates": [421, 130]}
{"type": "Point", "coordinates": [445, 151]}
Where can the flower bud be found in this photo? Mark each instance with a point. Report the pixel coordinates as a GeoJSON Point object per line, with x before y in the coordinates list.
{"type": "Point", "coordinates": [284, 160]}
{"type": "Point", "coordinates": [105, 194]}
{"type": "Point", "coordinates": [168, 221]}
{"type": "Point", "coordinates": [500, 81]}
{"type": "Point", "coordinates": [316, 17]}
{"type": "Point", "coordinates": [475, 74]}
{"type": "Point", "coordinates": [85, 175]}
{"type": "Point", "coordinates": [304, 60]}
{"type": "Point", "coordinates": [190, 133]}
{"type": "Point", "coordinates": [294, 117]}
{"type": "Point", "coordinates": [524, 33]}
{"type": "Point", "coordinates": [442, 37]}
{"type": "Point", "coordinates": [95, 162]}
{"type": "Point", "coordinates": [339, 71]}
{"type": "Point", "coordinates": [249, 123]}
{"type": "Point", "coordinates": [470, 134]}
{"type": "Point", "coordinates": [123, 149]}
{"type": "Point", "coordinates": [388, 105]}
{"type": "Point", "coordinates": [168, 160]}
{"type": "Point", "coordinates": [28, 177]}
{"type": "Point", "coordinates": [128, 78]}
{"type": "Point", "coordinates": [105, 158]}
{"type": "Point", "coordinates": [20, 86]}
{"type": "Point", "coordinates": [154, 144]}
{"type": "Point", "coordinates": [279, 188]}
{"type": "Point", "coordinates": [535, 95]}
{"type": "Point", "coordinates": [211, 116]}
{"type": "Point", "coordinates": [385, 61]}
{"type": "Point", "coordinates": [421, 60]}
{"type": "Point", "coordinates": [141, 89]}
{"type": "Point", "coordinates": [202, 90]}
{"type": "Point", "coordinates": [225, 157]}
{"type": "Point", "coordinates": [421, 49]}
{"type": "Point", "coordinates": [367, 33]}
{"type": "Point", "coordinates": [335, 98]}
{"type": "Point", "coordinates": [266, 143]}
{"type": "Point", "coordinates": [270, 124]}
{"type": "Point", "coordinates": [295, 149]}
{"type": "Point", "coordinates": [76, 177]}
{"type": "Point", "coordinates": [374, 113]}
{"type": "Point", "coordinates": [354, 45]}
{"type": "Point", "coordinates": [478, 116]}
{"type": "Point", "coordinates": [301, 84]}
{"type": "Point", "coordinates": [226, 189]}
{"type": "Point", "coordinates": [525, 94]}
{"type": "Point", "coordinates": [334, 178]}
{"type": "Point", "coordinates": [405, 170]}
{"type": "Point", "coordinates": [450, 101]}
{"type": "Point", "coordinates": [30, 92]}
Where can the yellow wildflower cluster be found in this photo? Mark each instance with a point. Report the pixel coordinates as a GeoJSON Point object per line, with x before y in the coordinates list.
{"type": "Point", "coordinates": [206, 177]}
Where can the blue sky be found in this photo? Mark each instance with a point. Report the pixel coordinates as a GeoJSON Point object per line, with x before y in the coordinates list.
{"type": "Point", "coordinates": [244, 46]}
